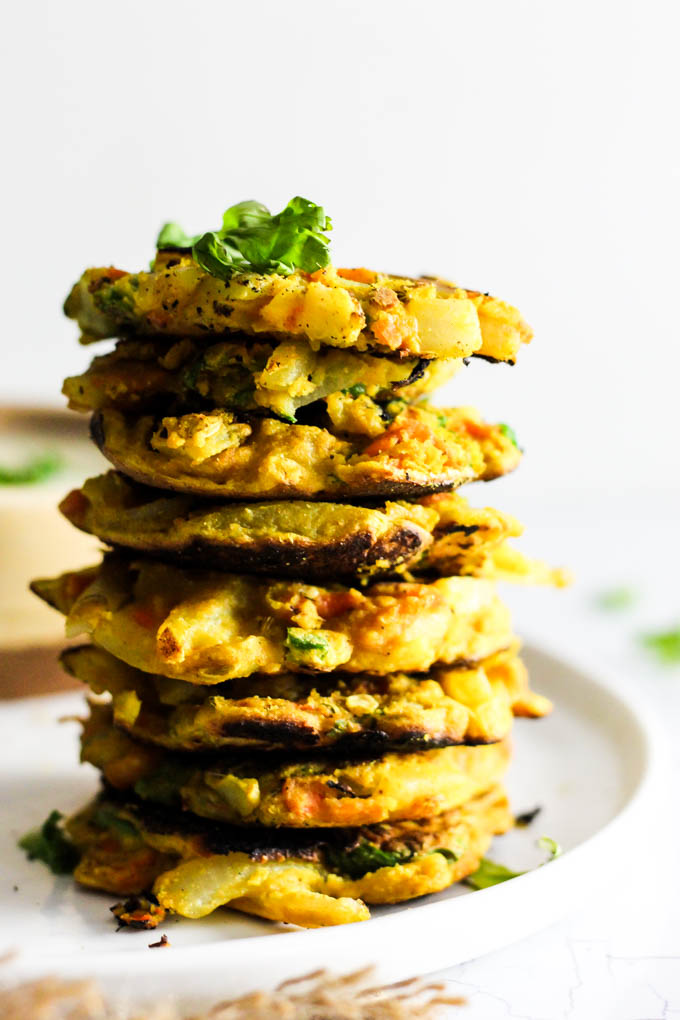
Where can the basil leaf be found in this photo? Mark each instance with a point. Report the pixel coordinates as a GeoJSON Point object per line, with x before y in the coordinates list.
{"type": "Point", "coordinates": [50, 844]}
{"type": "Point", "coordinates": [244, 214]}
{"type": "Point", "coordinates": [251, 239]}
{"type": "Point", "coordinates": [172, 236]}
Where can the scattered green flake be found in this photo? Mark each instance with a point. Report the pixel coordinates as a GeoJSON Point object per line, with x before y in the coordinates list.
{"type": "Point", "coordinates": [490, 873]}
{"type": "Point", "coordinates": [363, 858]}
{"type": "Point", "coordinates": [306, 641]}
{"type": "Point", "coordinates": [357, 390]}
{"type": "Point", "coordinates": [664, 644]}
{"type": "Point", "coordinates": [445, 852]}
{"type": "Point", "coordinates": [51, 845]}
{"type": "Point", "coordinates": [616, 598]}
{"type": "Point", "coordinates": [37, 469]}
{"type": "Point", "coordinates": [551, 846]}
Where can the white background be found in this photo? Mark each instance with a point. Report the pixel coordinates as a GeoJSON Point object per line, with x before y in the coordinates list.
{"type": "Point", "coordinates": [527, 148]}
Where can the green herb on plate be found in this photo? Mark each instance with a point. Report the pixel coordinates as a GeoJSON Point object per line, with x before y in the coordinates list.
{"type": "Point", "coordinates": [490, 873]}
{"type": "Point", "coordinates": [551, 846]}
{"type": "Point", "coordinates": [51, 845]}
{"type": "Point", "coordinates": [616, 598]}
{"type": "Point", "coordinates": [664, 645]}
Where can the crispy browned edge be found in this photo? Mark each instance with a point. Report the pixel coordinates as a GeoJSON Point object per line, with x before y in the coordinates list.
{"type": "Point", "coordinates": [262, 844]}
{"type": "Point", "coordinates": [343, 558]}
{"type": "Point", "coordinates": [349, 493]}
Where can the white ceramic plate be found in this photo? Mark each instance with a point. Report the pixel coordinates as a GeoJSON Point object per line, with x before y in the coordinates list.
{"type": "Point", "coordinates": [591, 766]}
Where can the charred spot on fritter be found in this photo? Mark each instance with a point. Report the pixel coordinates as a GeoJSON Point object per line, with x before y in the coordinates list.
{"type": "Point", "coordinates": [97, 433]}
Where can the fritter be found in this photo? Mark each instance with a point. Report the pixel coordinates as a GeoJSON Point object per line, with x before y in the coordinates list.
{"type": "Point", "coordinates": [290, 539]}
{"type": "Point", "coordinates": [217, 454]}
{"type": "Point", "coordinates": [275, 790]}
{"type": "Point", "coordinates": [257, 376]}
{"type": "Point", "coordinates": [442, 535]}
{"type": "Point", "coordinates": [346, 713]}
{"type": "Point", "coordinates": [306, 877]}
{"type": "Point", "coordinates": [360, 309]}
{"type": "Point", "coordinates": [206, 627]}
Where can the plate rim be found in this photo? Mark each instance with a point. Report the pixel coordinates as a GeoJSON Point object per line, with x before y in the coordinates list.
{"type": "Point", "coordinates": [536, 887]}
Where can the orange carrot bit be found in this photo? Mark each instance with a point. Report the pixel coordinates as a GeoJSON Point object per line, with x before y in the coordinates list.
{"type": "Point", "coordinates": [477, 429]}
{"type": "Point", "coordinates": [408, 429]}
{"type": "Point", "coordinates": [358, 275]}
{"type": "Point", "coordinates": [335, 603]}
{"type": "Point", "coordinates": [393, 329]}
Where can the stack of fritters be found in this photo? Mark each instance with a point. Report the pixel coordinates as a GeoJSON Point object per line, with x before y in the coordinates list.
{"type": "Point", "coordinates": [310, 677]}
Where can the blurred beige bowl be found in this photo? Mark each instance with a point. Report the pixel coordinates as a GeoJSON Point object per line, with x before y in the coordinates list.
{"type": "Point", "coordinates": [35, 540]}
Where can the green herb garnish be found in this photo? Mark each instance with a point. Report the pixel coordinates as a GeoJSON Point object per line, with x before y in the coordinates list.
{"type": "Point", "coordinates": [616, 598]}
{"type": "Point", "coordinates": [306, 641]}
{"type": "Point", "coordinates": [490, 873]}
{"type": "Point", "coordinates": [252, 240]}
{"type": "Point", "coordinates": [509, 433]}
{"type": "Point", "coordinates": [551, 846]}
{"type": "Point", "coordinates": [664, 644]}
{"type": "Point", "coordinates": [357, 390]}
{"type": "Point", "coordinates": [38, 469]}
{"type": "Point", "coordinates": [51, 845]}
{"type": "Point", "coordinates": [446, 852]}
{"type": "Point", "coordinates": [363, 858]}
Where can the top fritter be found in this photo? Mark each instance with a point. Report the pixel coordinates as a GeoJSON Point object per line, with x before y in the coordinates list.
{"type": "Point", "coordinates": [271, 275]}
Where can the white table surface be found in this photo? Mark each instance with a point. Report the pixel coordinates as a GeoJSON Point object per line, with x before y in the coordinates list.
{"type": "Point", "coordinates": [617, 957]}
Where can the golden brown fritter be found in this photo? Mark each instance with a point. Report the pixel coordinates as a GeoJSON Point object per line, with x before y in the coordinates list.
{"type": "Point", "coordinates": [206, 627]}
{"type": "Point", "coordinates": [311, 878]}
{"type": "Point", "coordinates": [360, 309]}
{"type": "Point", "coordinates": [441, 535]}
{"type": "Point", "coordinates": [146, 374]}
{"type": "Point", "coordinates": [275, 790]}
{"type": "Point", "coordinates": [217, 454]}
{"type": "Point", "coordinates": [352, 714]}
